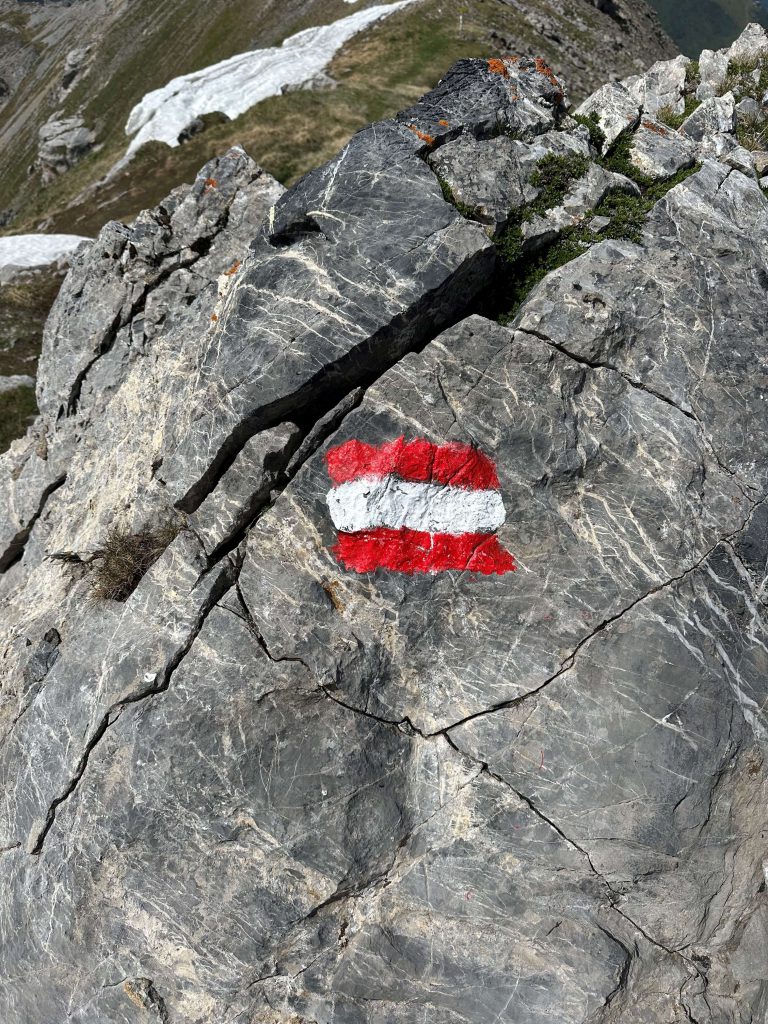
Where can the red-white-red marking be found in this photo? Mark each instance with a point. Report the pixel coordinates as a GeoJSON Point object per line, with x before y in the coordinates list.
{"type": "Point", "coordinates": [414, 506]}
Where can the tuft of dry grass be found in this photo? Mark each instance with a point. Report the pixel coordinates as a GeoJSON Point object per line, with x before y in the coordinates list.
{"type": "Point", "coordinates": [752, 133]}
{"type": "Point", "coordinates": [118, 568]}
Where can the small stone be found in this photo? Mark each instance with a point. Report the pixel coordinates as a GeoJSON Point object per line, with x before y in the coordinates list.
{"type": "Point", "coordinates": [597, 224]}
{"type": "Point", "coordinates": [748, 107]}
{"type": "Point", "coordinates": [62, 144]}
{"type": "Point", "coordinates": [760, 162]}
{"type": "Point", "coordinates": [15, 381]}
{"type": "Point", "coordinates": [740, 159]}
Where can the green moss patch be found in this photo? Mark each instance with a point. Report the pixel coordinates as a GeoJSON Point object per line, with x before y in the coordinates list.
{"type": "Point", "coordinates": [672, 119]}
{"type": "Point", "coordinates": [627, 215]}
{"type": "Point", "coordinates": [742, 79]}
{"type": "Point", "coordinates": [592, 123]}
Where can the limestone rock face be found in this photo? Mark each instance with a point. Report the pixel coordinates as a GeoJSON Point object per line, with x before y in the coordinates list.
{"type": "Point", "coordinates": [269, 783]}
{"type": "Point", "coordinates": [62, 144]}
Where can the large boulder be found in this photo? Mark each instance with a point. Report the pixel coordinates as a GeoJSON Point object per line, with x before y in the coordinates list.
{"type": "Point", "coordinates": [62, 143]}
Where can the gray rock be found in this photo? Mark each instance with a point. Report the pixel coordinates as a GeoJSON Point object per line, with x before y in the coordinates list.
{"type": "Point", "coordinates": [62, 144]}
{"type": "Point", "coordinates": [596, 224]}
{"type": "Point", "coordinates": [380, 293]}
{"type": "Point", "coordinates": [660, 152]}
{"type": "Point", "coordinates": [616, 108]}
{"type": "Point", "coordinates": [713, 68]}
{"type": "Point", "coordinates": [740, 159]}
{"type": "Point", "coordinates": [493, 176]}
{"type": "Point", "coordinates": [75, 64]}
{"type": "Point", "coordinates": [265, 787]}
{"type": "Point", "coordinates": [748, 108]}
{"type": "Point", "coordinates": [751, 44]}
{"type": "Point", "coordinates": [711, 117]}
{"type": "Point", "coordinates": [577, 310]}
{"type": "Point", "coordinates": [760, 162]}
{"type": "Point", "coordinates": [661, 87]}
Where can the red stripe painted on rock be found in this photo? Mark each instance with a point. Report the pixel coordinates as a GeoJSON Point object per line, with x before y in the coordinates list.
{"type": "Point", "coordinates": [411, 551]}
{"type": "Point", "coordinates": [459, 465]}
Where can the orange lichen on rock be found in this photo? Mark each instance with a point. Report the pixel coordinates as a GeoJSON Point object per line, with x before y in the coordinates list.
{"type": "Point", "coordinates": [214, 318]}
{"type": "Point", "coordinates": [233, 269]}
{"type": "Point", "coordinates": [444, 124]}
{"type": "Point", "coordinates": [652, 127]}
{"type": "Point", "coordinates": [544, 69]}
{"type": "Point", "coordinates": [209, 184]}
{"type": "Point", "coordinates": [498, 67]}
{"type": "Point", "coordinates": [429, 139]}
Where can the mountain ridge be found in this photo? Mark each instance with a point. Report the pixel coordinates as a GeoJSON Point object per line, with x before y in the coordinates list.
{"type": "Point", "coordinates": [245, 782]}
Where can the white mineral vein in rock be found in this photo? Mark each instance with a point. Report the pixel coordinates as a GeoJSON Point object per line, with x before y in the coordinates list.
{"type": "Point", "coordinates": [369, 503]}
{"type": "Point", "coordinates": [235, 84]}
{"type": "Point", "coordinates": [25, 251]}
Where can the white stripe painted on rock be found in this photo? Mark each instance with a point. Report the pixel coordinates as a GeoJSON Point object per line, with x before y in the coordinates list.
{"type": "Point", "coordinates": [368, 503]}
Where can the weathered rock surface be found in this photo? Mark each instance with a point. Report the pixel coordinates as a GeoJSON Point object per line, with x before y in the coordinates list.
{"type": "Point", "coordinates": [659, 151]}
{"type": "Point", "coordinates": [266, 788]}
{"type": "Point", "coordinates": [63, 142]}
{"type": "Point", "coordinates": [617, 110]}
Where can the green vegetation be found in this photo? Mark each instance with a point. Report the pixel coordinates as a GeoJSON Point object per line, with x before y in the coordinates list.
{"type": "Point", "coordinates": [669, 117]}
{"type": "Point", "coordinates": [24, 308]}
{"type": "Point", "coordinates": [752, 132]}
{"type": "Point", "coordinates": [466, 211]}
{"type": "Point", "coordinates": [17, 410]}
{"type": "Point", "coordinates": [742, 80]}
{"type": "Point", "coordinates": [554, 176]}
{"type": "Point", "coordinates": [592, 123]}
{"type": "Point", "coordinates": [119, 567]}
{"type": "Point", "coordinates": [627, 215]}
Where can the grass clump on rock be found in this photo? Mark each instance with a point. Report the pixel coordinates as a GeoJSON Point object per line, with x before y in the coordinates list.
{"type": "Point", "coordinates": [118, 568]}
{"type": "Point", "coordinates": [626, 212]}
{"type": "Point", "coordinates": [747, 78]}
{"type": "Point", "coordinates": [668, 116]}
{"type": "Point", "coordinates": [592, 123]}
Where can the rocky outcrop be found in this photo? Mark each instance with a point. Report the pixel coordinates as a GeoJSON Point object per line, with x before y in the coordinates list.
{"type": "Point", "coordinates": [264, 786]}
{"type": "Point", "coordinates": [62, 144]}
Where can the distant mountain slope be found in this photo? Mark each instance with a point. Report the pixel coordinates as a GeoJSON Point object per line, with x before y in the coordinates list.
{"type": "Point", "coordinates": [139, 46]}
{"type": "Point", "coordinates": [696, 24]}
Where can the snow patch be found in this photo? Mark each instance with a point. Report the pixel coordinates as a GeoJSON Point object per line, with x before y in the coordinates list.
{"type": "Point", "coordinates": [22, 252]}
{"type": "Point", "coordinates": [235, 84]}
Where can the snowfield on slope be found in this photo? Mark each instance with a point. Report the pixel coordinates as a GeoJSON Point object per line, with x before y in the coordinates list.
{"type": "Point", "coordinates": [22, 252]}
{"type": "Point", "coordinates": [235, 84]}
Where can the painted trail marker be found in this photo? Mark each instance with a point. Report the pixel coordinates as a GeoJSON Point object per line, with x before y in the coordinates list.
{"type": "Point", "coordinates": [414, 506]}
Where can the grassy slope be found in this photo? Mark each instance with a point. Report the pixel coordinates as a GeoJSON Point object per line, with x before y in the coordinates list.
{"type": "Point", "coordinates": [379, 72]}
{"type": "Point", "coordinates": [140, 49]}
